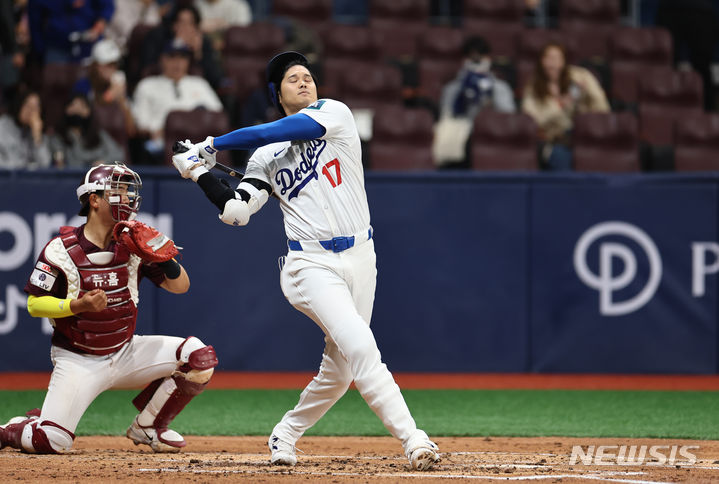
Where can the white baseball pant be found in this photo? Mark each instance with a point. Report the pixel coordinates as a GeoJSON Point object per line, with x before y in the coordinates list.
{"type": "Point", "coordinates": [78, 379]}
{"type": "Point", "coordinates": [336, 290]}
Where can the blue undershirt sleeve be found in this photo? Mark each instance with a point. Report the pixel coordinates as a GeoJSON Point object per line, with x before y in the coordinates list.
{"type": "Point", "coordinates": [296, 127]}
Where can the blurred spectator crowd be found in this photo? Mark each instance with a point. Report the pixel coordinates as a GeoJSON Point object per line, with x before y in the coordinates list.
{"type": "Point", "coordinates": [585, 85]}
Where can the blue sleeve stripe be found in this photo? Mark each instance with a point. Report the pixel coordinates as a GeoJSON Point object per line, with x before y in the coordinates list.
{"type": "Point", "coordinates": [296, 127]}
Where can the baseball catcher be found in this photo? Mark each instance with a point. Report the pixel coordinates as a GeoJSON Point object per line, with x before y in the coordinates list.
{"type": "Point", "coordinates": [86, 281]}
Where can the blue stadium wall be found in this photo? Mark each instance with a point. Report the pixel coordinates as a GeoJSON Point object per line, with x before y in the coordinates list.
{"type": "Point", "coordinates": [477, 273]}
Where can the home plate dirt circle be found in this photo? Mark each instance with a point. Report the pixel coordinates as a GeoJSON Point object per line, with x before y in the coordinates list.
{"type": "Point", "coordinates": [365, 459]}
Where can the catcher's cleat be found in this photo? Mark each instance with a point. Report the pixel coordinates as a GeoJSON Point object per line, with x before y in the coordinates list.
{"type": "Point", "coordinates": [160, 440]}
{"type": "Point", "coordinates": [283, 453]}
{"type": "Point", "coordinates": [11, 432]}
{"type": "Point", "coordinates": [421, 452]}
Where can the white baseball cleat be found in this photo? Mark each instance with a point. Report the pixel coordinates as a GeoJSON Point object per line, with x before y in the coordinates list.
{"type": "Point", "coordinates": [421, 452]}
{"type": "Point", "coordinates": [159, 440]}
{"type": "Point", "coordinates": [283, 453]}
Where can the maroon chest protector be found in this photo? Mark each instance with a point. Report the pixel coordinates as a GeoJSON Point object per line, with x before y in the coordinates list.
{"type": "Point", "coordinates": [106, 331]}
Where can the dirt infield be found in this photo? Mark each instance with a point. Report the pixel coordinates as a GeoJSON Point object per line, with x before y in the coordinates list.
{"type": "Point", "coordinates": [361, 459]}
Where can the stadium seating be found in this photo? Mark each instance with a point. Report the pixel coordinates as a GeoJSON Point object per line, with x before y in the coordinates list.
{"type": "Point", "coordinates": [314, 13]}
{"type": "Point", "coordinates": [245, 54]}
{"type": "Point", "coordinates": [606, 142]}
{"type": "Point", "coordinates": [111, 118]}
{"type": "Point", "coordinates": [347, 46]}
{"type": "Point", "coordinates": [133, 59]}
{"type": "Point", "coordinates": [697, 143]}
{"type": "Point", "coordinates": [504, 142]}
{"type": "Point", "coordinates": [259, 40]}
{"type": "Point", "coordinates": [634, 53]}
{"type": "Point", "coordinates": [588, 14]}
{"type": "Point", "coordinates": [354, 68]}
{"type": "Point", "coordinates": [401, 139]}
{"type": "Point", "coordinates": [502, 40]}
{"type": "Point", "coordinates": [440, 57]}
{"type": "Point", "coordinates": [354, 41]}
{"type": "Point", "coordinates": [666, 96]}
{"type": "Point", "coordinates": [195, 125]}
{"type": "Point", "coordinates": [590, 24]}
{"type": "Point", "coordinates": [57, 85]}
{"type": "Point", "coordinates": [366, 85]}
{"type": "Point", "coordinates": [244, 75]}
{"type": "Point", "coordinates": [398, 24]}
{"type": "Point", "coordinates": [482, 14]}
{"type": "Point", "coordinates": [499, 22]}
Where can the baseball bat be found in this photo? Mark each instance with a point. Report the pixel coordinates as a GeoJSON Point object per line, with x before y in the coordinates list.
{"type": "Point", "coordinates": [180, 148]}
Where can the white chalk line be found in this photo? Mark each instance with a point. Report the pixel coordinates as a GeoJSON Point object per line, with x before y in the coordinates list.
{"type": "Point", "coordinates": [682, 465]}
{"type": "Point", "coordinates": [593, 477]}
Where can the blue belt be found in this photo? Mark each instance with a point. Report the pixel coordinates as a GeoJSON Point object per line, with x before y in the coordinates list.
{"type": "Point", "coordinates": [336, 244]}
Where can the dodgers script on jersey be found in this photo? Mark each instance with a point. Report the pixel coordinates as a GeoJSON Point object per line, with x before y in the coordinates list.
{"type": "Point", "coordinates": [320, 182]}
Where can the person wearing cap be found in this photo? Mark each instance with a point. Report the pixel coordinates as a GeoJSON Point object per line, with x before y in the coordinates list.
{"type": "Point", "coordinates": [173, 90]}
{"type": "Point", "coordinates": [105, 83]}
{"type": "Point", "coordinates": [311, 161]}
{"type": "Point", "coordinates": [86, 283]}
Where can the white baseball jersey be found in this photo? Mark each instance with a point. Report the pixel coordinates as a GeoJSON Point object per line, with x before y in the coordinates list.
{"type": "Point", "coordinates": [320, 183]}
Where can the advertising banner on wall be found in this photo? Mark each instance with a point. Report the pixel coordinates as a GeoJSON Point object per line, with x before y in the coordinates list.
{"type": "Point", "coordinates": [623, 277]}
{"type": "Point", "coordinates": [476, 273]}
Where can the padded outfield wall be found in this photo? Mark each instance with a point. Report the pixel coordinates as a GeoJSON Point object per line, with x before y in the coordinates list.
{"type": "Point", "coordinates": [477, 273]}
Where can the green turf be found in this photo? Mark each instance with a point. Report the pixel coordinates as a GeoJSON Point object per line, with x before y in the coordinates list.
{"type": "Point", "coordinates": [440, 412]}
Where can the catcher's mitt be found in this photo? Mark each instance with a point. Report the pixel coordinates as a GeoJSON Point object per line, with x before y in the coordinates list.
{"type": "Point", "coordinates": [144, 241]}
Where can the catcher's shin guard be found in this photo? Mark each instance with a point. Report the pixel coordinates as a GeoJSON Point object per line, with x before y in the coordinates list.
{"type": "Point", "coordinates": [163, 399]}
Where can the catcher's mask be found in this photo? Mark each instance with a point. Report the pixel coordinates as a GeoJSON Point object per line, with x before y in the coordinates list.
{"type": "Point", "coordinates": [276, 71]}
{"type": "Point", "coordinates": [117, 184]}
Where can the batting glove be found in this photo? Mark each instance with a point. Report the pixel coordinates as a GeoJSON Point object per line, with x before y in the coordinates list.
{"type": "Point", "coordinates": [188, 162]}
{"type": "Point", "coordinates": [208, 152]}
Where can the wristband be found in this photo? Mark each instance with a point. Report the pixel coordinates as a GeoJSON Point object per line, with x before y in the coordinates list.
{"type": "Point", "coordinates": [171, 268]}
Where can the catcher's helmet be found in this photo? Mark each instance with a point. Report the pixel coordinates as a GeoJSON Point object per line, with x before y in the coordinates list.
{"type": "Point", "coordinates": [119, 185]}
{"type": "Point", "coordinates": [276, 71]}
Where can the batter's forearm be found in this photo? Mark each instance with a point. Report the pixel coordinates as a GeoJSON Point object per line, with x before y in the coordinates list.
{"type": "Point", "coordinates": [216, 191]}
{"type": "Point", "coordinates": [49, 307]}
{"type": "Point", "coordinates": [296, 127]}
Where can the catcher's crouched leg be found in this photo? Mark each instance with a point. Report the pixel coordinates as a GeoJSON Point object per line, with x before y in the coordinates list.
{"type": "Point", "coordinates": [161, 401]}
{"type": "Point", "coordinates": [36, 436]}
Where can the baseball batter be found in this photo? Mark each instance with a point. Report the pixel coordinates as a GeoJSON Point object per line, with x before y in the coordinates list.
{"type": "Point", "coordinates": [86, 281]}
{"type": "Point", "coordinates": [311, 161]}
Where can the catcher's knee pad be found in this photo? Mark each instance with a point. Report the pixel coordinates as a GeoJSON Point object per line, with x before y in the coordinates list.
{"type": "Point", "coordinates": [164, 398]}
{"type": "Point", "coordinates": [196, 362]}
{"type": "Point", "coordinates": [46, 437]}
